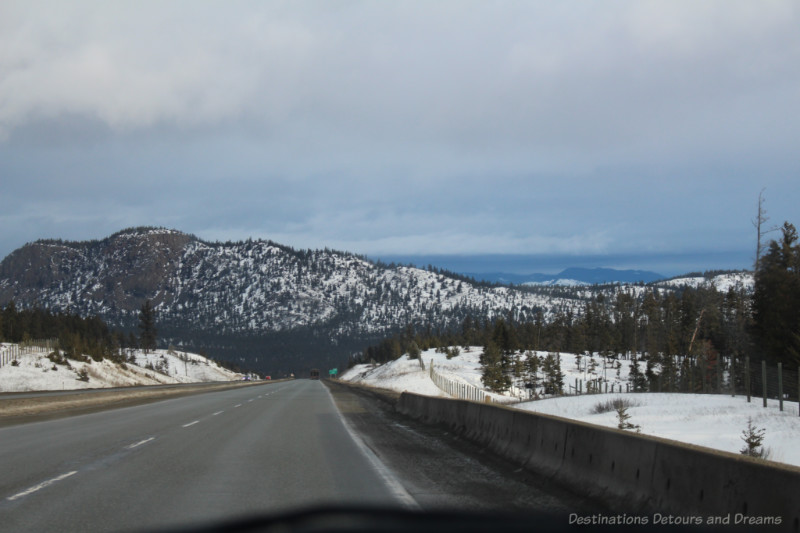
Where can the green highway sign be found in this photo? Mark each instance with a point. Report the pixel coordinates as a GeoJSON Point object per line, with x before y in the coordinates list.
{"type": "Point", "coordinates": [333, 371]}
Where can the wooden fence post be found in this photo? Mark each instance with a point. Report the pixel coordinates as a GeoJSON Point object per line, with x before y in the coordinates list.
{"type": "Point", "coordinates": [747, 376]}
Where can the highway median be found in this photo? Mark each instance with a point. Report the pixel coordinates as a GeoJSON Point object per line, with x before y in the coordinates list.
{"type": "Point", "coordinates": [20, 408]}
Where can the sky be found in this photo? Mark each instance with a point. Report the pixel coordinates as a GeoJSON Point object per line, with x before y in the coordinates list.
{"type": "Point", "coordinates": [617, 133]}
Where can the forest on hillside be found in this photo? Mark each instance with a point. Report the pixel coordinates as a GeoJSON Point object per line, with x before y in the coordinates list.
{"type": "Point", "coordinates": [675, 333]}
{"type": "Point", "coordinates": [672, 331]}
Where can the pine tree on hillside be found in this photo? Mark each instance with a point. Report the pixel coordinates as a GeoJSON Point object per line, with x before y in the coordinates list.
{"type": "Point", "coordinates": [493, 376]}
{"type": "Point", "coordinates": [776, 300]}
{"type": "Point", "coordinates": [147, 327]}
{"type": "Point", "coordinates": [554, 378]}
{"type": "Point", "coordinates": [532, 363]}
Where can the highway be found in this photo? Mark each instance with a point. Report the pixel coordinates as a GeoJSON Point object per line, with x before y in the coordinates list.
{"type": "Point", "coordinates": [258, 450]}
{"type": "Point", "coordinates": [190, 460]}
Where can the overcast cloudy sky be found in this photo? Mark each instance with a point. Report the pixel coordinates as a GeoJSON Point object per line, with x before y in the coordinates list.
{"type": "Point", "coordinates": [632, 132]}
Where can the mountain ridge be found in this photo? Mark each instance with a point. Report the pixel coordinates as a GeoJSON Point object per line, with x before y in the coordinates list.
{"type": "Point", "coordinates": [581, 275]}
{"type": "Point", "coordinates": [263, 301]}
{"type": "Point", "coordinates": [255, 288]}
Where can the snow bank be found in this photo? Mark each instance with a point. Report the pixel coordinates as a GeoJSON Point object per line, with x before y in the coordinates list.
{"type": "Point", "coordinates": [711, 420]}
{"type": "Point", "coordinates": [402, 375]}
{"type": "Point", "coordinates": [35, 372]}
{"type": "Point", "coordinates": [715, 421]}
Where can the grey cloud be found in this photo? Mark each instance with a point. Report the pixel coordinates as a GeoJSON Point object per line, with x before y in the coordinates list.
{"type": "Point", "coordinates": [526, 127]}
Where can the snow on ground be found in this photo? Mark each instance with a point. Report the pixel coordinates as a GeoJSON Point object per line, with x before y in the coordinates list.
{"type": "Point", "coordinates": [35, 372]}
{"type": "Point", "coordinates": [711, 420]}
{"type": "Point", "coordinates": [402, 375]}
{"type": "Point", "coordinates": [405, 374]}
{"type": "Point", "coordinates": [185, 367]}
{"type": "Point", "coordinates": [722, 282]}
{"type": "Point", "coordinates": [557, 282]}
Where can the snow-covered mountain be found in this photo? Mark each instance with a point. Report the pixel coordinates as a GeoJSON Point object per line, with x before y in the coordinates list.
{"type": "Point", "coordinates": [283, 301]}
{"type": "Point", "coordinates": [248, 288]}
{"type": "Point", "coordinates": [573, 276]}
{"type": "Point", "coordinates": [743, 281]}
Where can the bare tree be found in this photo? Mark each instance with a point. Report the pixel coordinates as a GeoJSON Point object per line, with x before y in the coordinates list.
{"type": "Point", "coordinates": [759, 222]}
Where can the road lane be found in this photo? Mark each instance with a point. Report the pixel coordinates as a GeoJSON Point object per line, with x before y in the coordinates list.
{"type": "Point", "coordinates": [185, 461]}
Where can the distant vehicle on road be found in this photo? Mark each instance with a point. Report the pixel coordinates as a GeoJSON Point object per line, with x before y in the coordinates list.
{"type": "Point", "coordinates": [315, 373]}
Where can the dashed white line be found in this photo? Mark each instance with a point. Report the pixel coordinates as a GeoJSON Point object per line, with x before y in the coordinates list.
{"type": "Point", "coordinates": [40, 486]}
{"type": "Point", "coordinates": [218, 413]}
{"type": "Point", "coordinates": [238, 405]}
{"type": "Point", "coordinates": [137, 444]}
{"type": "Point", "coordinates": [191, 423]}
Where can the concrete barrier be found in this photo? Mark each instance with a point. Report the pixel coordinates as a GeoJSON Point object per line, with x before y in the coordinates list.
{"type": "Point", "coordinates": [638, 473]}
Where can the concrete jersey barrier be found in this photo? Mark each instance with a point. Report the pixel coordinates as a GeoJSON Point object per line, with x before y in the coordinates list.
{"type": "Point", "coordinates": [638, 473]}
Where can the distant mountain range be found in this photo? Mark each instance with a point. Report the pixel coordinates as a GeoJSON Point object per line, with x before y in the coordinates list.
{"type": "Point", "coordinates": [277, 309]}
{"type": "Point", "coordinates": [572, 276]}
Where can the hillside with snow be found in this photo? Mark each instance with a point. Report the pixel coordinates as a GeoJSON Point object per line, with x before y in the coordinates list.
{"type": "Point", "coordinates": [714, 421]}
{"type": "Point", "coordinates": [740, 281]}
{"type": "Point", "coordinates": [245, 287]}
{"type": "Point", "coordinates": [271, 307]}
{"type": "Point", "coordinates": [34, 371]}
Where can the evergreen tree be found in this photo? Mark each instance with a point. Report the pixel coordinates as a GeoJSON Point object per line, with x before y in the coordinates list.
{"type": "Point", "coordinates": [532, 363]}
{"type": "Point", "coordinates": [623, 419]}
{"type": "Point", "coordinates": [753, 438]}
{"type": "Point", "coordinates": [554, 378]}
{"type": "Point", "coordinates": [776, 300]}
{"type": "Point", "coordinates": [636, 377]}
{"type": "Point", "coordinates": [493, 376]}
{"type": "Point", "coordinates": [147, 327]}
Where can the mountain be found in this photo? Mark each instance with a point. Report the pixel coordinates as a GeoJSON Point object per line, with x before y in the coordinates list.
{"type": "Point", "coordinates": [273, 307]}
{"type": "Point", "coordinates": [573, 276]}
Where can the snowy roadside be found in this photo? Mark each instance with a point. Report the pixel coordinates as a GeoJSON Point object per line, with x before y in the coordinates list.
{"type": "Point", "coordinates": [35, 372]}
{"type": "Point", "coordinates": [713, 420]}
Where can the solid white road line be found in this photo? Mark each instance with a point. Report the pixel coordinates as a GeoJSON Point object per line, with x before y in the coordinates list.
{"type": "Point", "coordinates": [399, 491]}
{"type": "Point", "coordinates": [40, 486]}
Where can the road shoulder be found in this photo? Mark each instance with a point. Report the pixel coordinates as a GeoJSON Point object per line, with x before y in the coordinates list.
{"type": "Point", "coordinates": [441, 470]}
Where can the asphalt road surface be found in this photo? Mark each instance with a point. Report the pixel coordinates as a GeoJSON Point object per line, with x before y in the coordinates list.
{"type": "Point", "coordinates": [256, 450]}
{"type": "Point", "coordinates": [260, 449]}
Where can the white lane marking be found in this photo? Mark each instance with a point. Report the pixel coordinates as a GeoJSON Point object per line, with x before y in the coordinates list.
{"type": "Point", "coordinates": [250, 400]}
{"type": "Point", "coordinates": [392, 483]}
{"type": "Point", "coordinates": [191, 423]}
{"type": "Point", "coordinates": [218, 413]}
{"type": "Point", "coordinates": [238, 405]}
{"type": "Point", "coordinates": [137, 444]}
{"type": "Point", "coordinates": [40, 486]}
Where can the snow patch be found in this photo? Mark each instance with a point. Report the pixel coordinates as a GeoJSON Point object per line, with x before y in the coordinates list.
{"type": "Point", "coordinates": [712, 420]}
{"type": "Point", "coordinates": [35, 372]}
